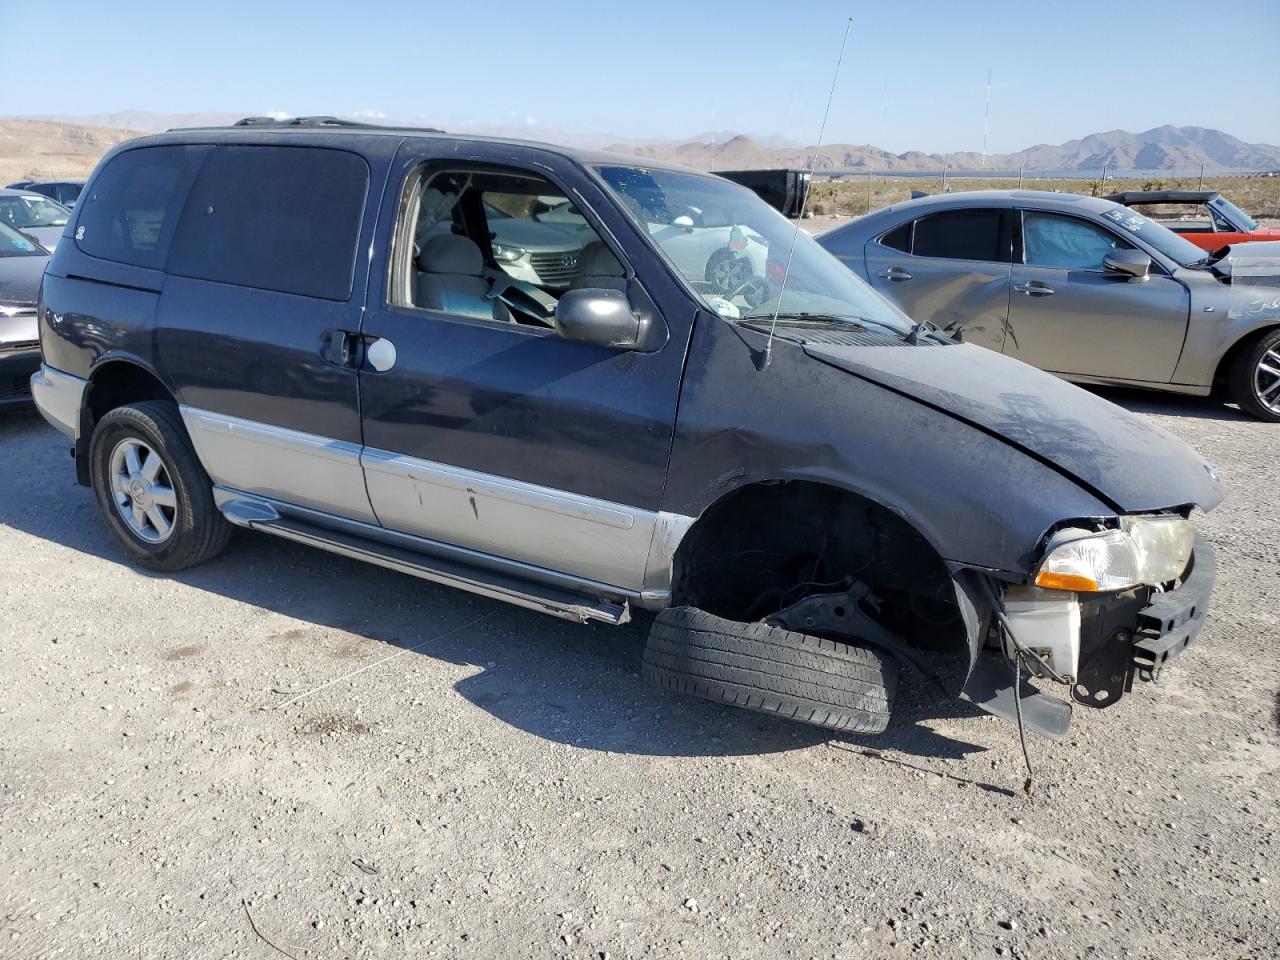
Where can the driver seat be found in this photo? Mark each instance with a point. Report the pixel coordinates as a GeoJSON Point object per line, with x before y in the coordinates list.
{"type": "Point", "coordinates": [601, 270]}
{"type": "Point", "coordinates": [452, 279]}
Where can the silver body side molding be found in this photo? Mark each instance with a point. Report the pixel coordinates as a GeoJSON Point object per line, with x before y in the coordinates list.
{"type": "Point", "coordinates": [58, 397]}
{"type": "Point", "coordinates": [579, 535]}
{"type": "Point", "coordinates": [281, 464]}
{"type": "Point", "coordinates": [527, 530]}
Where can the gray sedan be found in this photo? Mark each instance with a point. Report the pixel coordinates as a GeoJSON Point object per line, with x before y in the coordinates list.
{"type": "Point", "coordinates": [1080, 287]}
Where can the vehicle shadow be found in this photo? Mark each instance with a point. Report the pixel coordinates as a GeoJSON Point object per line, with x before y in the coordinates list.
{"type": "Point", "coordinates": [1171, 404]}
{"type": "Point", "coordinates": [563, 682]}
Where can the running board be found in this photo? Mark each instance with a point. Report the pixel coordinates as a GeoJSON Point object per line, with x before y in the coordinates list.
{"type": "Point", "coordinates": [522, 593]}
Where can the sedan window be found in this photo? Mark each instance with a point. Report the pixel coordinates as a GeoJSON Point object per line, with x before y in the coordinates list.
{"type": "Point", "coordinates": [1066, 242]}
{"type": "Point", "coordinates": [899, 238]}
{"type": "Point", "coordinates": [14, 244]}
{"type": "Point", "coordinates": [32, 211]}
{"type": "Point", "coordinates": [960, 235]}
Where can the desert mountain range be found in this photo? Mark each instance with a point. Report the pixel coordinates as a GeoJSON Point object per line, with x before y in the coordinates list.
{"type": "Point", "coordinates": [48, 147]}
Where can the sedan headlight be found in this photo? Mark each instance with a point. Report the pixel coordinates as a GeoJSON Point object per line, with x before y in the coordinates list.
{"type": "Point", "coordinates": [506, 253]}
{"type": "Point", "coordinates": [1145, 550]}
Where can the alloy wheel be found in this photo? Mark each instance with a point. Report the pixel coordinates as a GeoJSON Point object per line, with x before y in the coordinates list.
{"type": "Point", "coordinates": [142, 491]}
{"type": "Point", "coordinates": [1266, 380]}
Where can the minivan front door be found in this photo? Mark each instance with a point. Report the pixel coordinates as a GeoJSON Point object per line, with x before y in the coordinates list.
{"type": "Point", "coordinates": [1068, 315]}
{"type": "Point", "coordinates": [502, 438]}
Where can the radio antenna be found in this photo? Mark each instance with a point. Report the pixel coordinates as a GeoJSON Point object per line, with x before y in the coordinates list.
{"type": "Point", "coordinates": [763, 362]}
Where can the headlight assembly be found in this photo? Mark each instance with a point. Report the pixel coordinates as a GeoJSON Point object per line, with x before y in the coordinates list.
{"type": "Point", "coordinates": [506, 253]}
{"type": "Point", "coordinates": [1145, 550]}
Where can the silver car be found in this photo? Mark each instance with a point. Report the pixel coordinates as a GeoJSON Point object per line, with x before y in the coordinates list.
{"type": "Point", "coordinates": [1081, 287]}
{"type": "Point", "coordinates": [35, 215]}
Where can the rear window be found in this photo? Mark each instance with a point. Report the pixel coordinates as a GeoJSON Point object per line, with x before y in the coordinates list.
{"type": "Point", "coordinates": [135, 200]}
{"type": "Point", "coordinates": [959, 235]}
{"type": "Point", "coordinates": [274, 218]}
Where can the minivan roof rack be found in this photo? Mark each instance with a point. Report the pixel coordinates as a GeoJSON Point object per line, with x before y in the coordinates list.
{"type": "Point", "coordinates": [318, 121]}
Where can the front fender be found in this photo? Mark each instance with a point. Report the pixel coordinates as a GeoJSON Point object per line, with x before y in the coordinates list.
{"type": "Point", "coordinates": [975, 498]}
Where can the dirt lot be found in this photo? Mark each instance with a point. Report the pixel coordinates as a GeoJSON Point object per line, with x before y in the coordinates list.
{"type": "Point", "coordinates": [473, 780]}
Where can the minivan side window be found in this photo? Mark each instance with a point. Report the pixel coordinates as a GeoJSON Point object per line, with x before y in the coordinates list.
{"type": "Point", "coordinates": [274, 218]}
{"type": "Point", "coordinates": [1066, 243]}
{"type": "Point", "coordinates": [129, 215]}
{"type": "Point", "coordinates": [960, 235]}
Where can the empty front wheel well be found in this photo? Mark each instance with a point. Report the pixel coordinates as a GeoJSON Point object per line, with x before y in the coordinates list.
{"type": "Point", "coordinates": [767, 545]}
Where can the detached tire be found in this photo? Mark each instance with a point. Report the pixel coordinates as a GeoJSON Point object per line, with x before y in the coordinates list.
{"type": "Point", "coordinates": [1250, 379]}
{"type": "Point", "coordinates": [770, 670]}
{"type": "Point", "coordinates": [153, 492]}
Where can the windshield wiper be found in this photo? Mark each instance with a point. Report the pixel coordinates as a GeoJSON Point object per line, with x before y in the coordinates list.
{"type": "Point", "coordinates": [823, 320]}
{"type": "Point", "coordinates": [814, 319]}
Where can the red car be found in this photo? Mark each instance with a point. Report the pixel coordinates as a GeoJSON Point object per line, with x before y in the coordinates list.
{"type": "Point", "coordinates": [1206, 218]}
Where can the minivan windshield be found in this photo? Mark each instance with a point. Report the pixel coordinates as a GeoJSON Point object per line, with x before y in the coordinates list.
{"type": "Point", "coordinates": [733, 250]}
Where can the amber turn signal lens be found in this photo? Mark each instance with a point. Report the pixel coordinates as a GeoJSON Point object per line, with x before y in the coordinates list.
{"type": "Point", "coordinates": [1065, 581]}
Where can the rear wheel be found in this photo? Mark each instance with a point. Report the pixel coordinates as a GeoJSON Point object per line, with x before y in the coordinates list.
{"type": "Point", "coordinates": [154, 495]}
{"type": "Point", "coordinates": [771, 670]}
{"type": "Point", "coordinates": [1254, 377]}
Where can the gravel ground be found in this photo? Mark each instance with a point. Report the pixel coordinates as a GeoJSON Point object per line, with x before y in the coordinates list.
{"type": "Point", "coordinates": [473, 780]}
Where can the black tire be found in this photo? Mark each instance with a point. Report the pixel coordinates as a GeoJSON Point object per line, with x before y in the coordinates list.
{"type": "Point", "coordinates": [770, 670]}
{"type": "Point", "coordinates": [1242, 376]}
{"type": "Point", "coordinates": [199, 531]}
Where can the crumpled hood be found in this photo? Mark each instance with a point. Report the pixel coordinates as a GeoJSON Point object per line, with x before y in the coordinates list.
{"type": "Point", "coordinates": [1125, 461]}
{"type": "Point", "coordinates": [1254, 260]}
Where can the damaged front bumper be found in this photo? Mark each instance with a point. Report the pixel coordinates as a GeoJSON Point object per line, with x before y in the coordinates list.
{"type": "Point", "coordinates": [1098, 644]}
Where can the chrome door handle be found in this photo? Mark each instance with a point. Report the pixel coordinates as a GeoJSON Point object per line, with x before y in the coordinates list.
{"type": "Point", "coordinates": [1034, 288]}
{"type": "Point", "coordinates": [381, 354]}
{"type": "Point", "coordinates": [893, 273]}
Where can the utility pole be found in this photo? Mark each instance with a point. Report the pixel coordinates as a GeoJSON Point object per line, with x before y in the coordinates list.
{"type": "Point", "coordinates": [944, 176]}
{"type": "Point", "coordinates": [868, 189]}
{"type": "Point", "coordinates": [1020, 178]}
{"type": "Point", "coordinates": [884, 116]}
{"type": "Point", "coordinates": [986, 121]}
{"type": "Point", "coordinates": [1201, 187]}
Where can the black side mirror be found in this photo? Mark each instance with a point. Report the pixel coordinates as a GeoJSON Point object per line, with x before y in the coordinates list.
{"type": "Point", "coordinates": [610, 318]}
{"type": "Point", "coordinates": [1128, 264]}
{"type": "Point", "coordinates": [599, 316]}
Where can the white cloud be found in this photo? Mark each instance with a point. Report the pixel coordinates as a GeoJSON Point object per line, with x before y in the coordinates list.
{"type": "Point", "coordinates": [369, 115]}
{"type": "Point", "coordinates": [279, 114]}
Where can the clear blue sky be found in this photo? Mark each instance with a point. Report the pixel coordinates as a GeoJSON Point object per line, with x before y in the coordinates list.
{"type": "Point", "coordinates": [650, 69]}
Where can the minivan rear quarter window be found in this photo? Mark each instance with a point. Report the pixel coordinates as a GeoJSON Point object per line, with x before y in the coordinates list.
{"type": "Point", "coordinates": [959, 235]}
{"type": "Point", "coordinates": [129, 215]}
{"type": "Point", "coordinates": [274, 218]}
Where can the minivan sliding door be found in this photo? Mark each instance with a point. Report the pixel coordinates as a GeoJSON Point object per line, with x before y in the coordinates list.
{"type": "Point", "coordinates": [260, 309]}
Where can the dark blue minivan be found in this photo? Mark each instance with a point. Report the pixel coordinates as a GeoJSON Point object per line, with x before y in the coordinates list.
{"type": "Point", "coordinates": [588, 384]}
